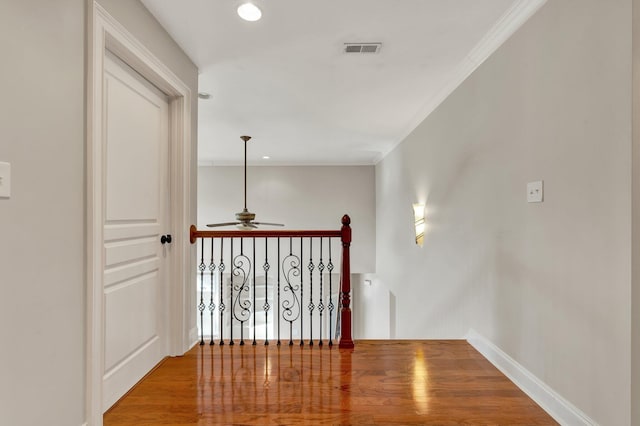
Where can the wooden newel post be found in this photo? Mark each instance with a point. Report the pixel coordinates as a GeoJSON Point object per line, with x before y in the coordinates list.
{"type": "Point", "coordinates": [346, 342]}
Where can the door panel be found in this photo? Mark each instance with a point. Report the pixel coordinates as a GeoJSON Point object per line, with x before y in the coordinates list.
{"type": "Point", "coordinates": [123, 272]}
{"type": "Point", "coordinates": [130, 250]}
{"type": "Point", "coordinates": [130, 319]}
{"type": "Point", "coordinates": [136, 213]}
{"type": "Point", "coordinates": [134, 127]}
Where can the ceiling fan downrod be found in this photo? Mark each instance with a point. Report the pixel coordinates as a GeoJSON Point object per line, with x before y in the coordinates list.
{"type": "Point", "coordinates": [245, 139]}
{"type": "Point", "coordinates": [245, 219]}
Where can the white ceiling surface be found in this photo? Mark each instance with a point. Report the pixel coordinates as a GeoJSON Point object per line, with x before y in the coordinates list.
{"type": "Point", "coordinates": [285, 80]}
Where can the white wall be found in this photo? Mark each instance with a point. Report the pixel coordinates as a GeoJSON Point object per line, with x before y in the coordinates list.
{"type": "Point", "coordinates": [373, 308]}
{"type": "Point", "coordinates": [635, 291]}
{"type": "Point", "coordinates": [548, 283]}
{"type": "Point", "coordinates": [41, 225]}
{"type": "Point", "coordinates": [300, 197]}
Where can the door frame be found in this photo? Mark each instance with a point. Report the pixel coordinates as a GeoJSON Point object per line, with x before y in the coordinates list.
{"type": "Point", "coordinates": [105, 33]}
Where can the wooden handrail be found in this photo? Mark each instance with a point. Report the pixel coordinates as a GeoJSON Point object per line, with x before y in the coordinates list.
{"type": "Point", "coordinates": [195, 234]}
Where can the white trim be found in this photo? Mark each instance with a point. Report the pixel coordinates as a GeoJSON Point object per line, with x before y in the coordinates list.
{"type": "Point", "coordinates": [104, 33]}
{"type": "Point", "coordinates": [559, 408]}
{"type": "Point", "coordinates": [504, 28]}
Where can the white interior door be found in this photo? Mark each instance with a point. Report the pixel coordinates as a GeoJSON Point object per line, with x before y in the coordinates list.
{"type": "Point", "coordinates": [136, 214]}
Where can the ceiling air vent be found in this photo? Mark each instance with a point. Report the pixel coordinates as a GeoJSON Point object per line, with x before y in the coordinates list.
{"type": "Point", "coordinates": [362, 47]}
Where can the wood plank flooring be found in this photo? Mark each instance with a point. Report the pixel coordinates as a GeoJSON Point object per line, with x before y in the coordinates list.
{"type": "Point", "coordinates": [433, 382]}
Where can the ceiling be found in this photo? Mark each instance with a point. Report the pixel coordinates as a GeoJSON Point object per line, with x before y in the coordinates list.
{"type": "Point", "coordinates": [286, 81]}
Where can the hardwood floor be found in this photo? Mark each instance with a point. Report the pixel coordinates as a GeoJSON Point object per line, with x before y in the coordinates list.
{"type": "Point", "coordinates": [434, 382]}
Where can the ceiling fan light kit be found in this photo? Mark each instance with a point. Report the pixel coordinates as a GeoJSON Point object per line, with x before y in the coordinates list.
{"type": "Point", "coordinates": [245, 218]}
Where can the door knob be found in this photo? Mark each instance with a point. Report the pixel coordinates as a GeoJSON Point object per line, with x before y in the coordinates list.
{"type": "Point", "coordinates": [165, 239]}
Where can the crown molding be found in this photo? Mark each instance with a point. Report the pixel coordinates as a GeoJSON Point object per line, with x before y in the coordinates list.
{"type": "Point", "coordinates": [519, 13]}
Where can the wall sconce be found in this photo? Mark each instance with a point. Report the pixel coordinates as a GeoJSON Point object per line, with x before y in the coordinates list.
{"type": "Point", "coordinates": [419, 223]}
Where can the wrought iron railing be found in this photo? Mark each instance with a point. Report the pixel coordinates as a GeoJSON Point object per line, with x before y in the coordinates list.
{"type": "Point", "coordinates": [274, 286]}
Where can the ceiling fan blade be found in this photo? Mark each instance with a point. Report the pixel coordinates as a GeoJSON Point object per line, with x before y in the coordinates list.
{"type": "Point", "coordinates": [214, 225]}
{"type": "Point", "coordinates": [268, 224]}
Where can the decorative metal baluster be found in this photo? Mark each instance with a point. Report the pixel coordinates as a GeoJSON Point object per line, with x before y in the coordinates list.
{"type": "Point", "coordinates": [221, 268]}
{"type": "Point", "coordinates": [266, 306]}
{"type": "Point", "coordinates": [254, 292]}
{"type": "Point", "coordinates": [201, 268]}
{"type": "Point", "coordinates": [278, 304]}
{"type": "Point", "coordinates": [331, 306]}
{"type": "Point", "coordinates": [292, 309]}
{"type": "Point", "coordinates": [241, 309]}
{"type": "Point", "coordinates": [301, 299]}
{"type": "Point", "coordinates": [311, 306]}
{"type": "Point", "coordinates": [231, 343]}
{"type": "Point", "coordinates": [212, 306]}
{"type": "Point", "coordinates": [321, 304]}
{"type": "Point", "coordinates": [289, 287]}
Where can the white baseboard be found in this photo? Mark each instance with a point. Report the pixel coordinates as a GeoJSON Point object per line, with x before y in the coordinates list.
{"type": "Point", "coordinates": [559, 408]}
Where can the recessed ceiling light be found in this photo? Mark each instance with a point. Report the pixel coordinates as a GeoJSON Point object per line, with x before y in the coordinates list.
{"type": "Point", "coordinates": [249, 12]}
{"type": "Point", "coordinates": [265, 157]}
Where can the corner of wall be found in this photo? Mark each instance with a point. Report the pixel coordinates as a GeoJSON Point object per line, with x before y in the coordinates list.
{"type": "Point", "coordinates": [635, 217]}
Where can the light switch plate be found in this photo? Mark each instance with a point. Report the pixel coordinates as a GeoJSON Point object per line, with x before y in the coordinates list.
{"type": "Point", "coordinates": [5, 180]}
{"type": "Point", "coordinates": [535, 192]}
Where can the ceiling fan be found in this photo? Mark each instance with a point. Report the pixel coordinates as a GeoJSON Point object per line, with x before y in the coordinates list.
{"type": "Point", "coordinates": [244, 219]}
